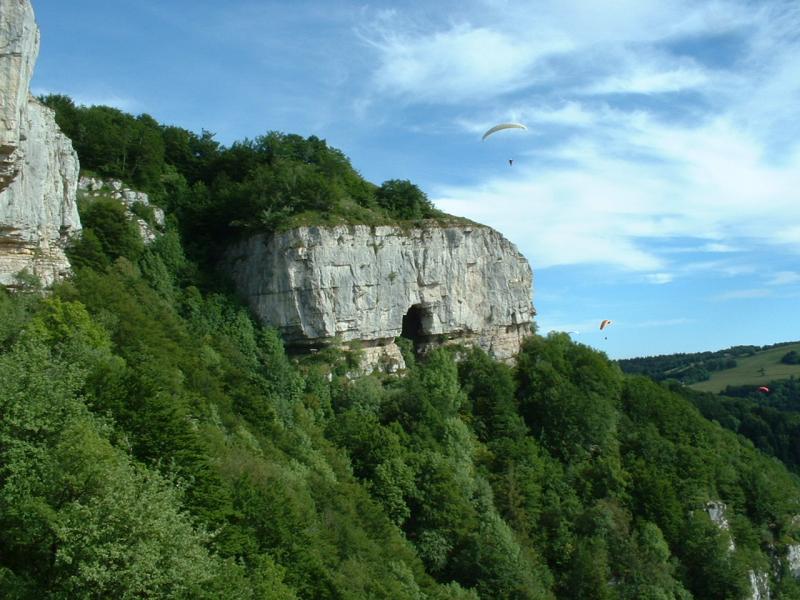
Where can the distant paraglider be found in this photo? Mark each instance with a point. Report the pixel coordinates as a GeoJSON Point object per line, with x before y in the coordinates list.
{"type": "Point", "coordinates": [764, 389]}
{"type": "Point", "coordinates": [603, 324]}
{"type": "Point", "coordinates": [502, 126]}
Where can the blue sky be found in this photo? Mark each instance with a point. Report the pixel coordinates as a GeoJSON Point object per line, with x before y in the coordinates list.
{"type": "Point", "coordinates": [657, 185]}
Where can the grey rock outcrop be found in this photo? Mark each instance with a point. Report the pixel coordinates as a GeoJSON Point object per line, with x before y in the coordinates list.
{"type": "Point", "coordinates": [94, 187]}
{"type": "Point", "coordinates": [793, 560]}
{"type": "Point", "coordinates": [759, 585]}
{"type": "Point", "coordinates": [716, 511]}
{"type": "Point", "coordinates": [759, 580]}
{"type": "Point", "coordinates": [38, 166]}
{"type": "Point", "coordinates": [435, 284]}
{"type": "Point", "coordinates": [19, 45]}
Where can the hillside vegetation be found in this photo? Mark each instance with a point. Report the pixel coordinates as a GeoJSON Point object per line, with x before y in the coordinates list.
{"type": "Point", "coordinates": [712, 371]}
{"type": "Point", "coordinates": [771, 420]}
{"type": "Point", "coordinates": [271, 182]}
{"type": "Point", "coordinates": [157, 442]}
{"type": "Point", "coordinates": [759, 369]}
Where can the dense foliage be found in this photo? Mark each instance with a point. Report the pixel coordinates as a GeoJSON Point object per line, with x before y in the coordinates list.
{"type": "Point", "coordinates": [690, 367]}
{"type": "Point", "coordinates": [276, 180]}
{"type": "Point", "coordinates": [157, 442]}
{"type": "Point", "coordinates": [791, 358]}
{"type": "Point", "coordinates": [771, 420]}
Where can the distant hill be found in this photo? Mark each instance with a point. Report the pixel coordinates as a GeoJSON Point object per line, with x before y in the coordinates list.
{"type": "Point", "coordinates": [759, 369]}
{"type": "Point", "coordinates": [730, 396]}
{"type": "Point", "coordinates": [713, 371]}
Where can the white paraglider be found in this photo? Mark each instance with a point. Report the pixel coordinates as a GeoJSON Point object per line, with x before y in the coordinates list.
{"type": "Point", "coordinates": [502, 126]}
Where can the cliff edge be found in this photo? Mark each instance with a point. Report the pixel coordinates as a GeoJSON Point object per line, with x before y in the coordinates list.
{"type": "Point", "coordinates": [433, 285]}
{"type": "Point", "coordinates": [38, 166]}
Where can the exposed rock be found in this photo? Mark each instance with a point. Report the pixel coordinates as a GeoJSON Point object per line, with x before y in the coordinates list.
{"type": "Point", "coordinates": [716, 512]}
{"type": "Point", "coordinates": [38, 166]}
{"type": "Point", "coordinates": [759, 586]}
{"type": "Point", "coordinates": [435, 284]}
{"type": "Point", "coordinates": [793, 559]}
{"type": "Point", "coordinates": [19, 46]}
{"type": "Point", "coordinates": [94, 187]}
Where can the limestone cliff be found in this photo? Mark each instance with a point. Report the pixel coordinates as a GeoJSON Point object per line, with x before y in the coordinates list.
{"type": "Point", "coordinates": [90, 188]}
{"type": "Point", "coordinates": [38, 166]}
{"type": "Point", "coordinates": [433, 284]}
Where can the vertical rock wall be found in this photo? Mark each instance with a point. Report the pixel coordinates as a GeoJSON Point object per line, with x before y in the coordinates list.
{"type": "Point", "coordinates": [434, 284]}
{"type": "Point", "coordinates": [38, 166]}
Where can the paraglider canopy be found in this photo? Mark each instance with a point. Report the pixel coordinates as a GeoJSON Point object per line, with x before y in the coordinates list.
{"type": "Point", "coordinates": [604, 323]}
{"type": "Point", "coordinates": [763, 389]}
{"type": "Point", "coordinates": [502, 126]}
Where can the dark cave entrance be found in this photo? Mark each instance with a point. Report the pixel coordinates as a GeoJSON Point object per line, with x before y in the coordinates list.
{"type": "Point", "coordinates": [412, 326]}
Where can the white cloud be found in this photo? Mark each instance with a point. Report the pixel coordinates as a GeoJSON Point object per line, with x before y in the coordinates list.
{"type": "Point", "coordinates": [719, 247]}
{"type": "Point", "coordinates": [458, 63]}
{"type": "Point", "coordinates": [495, 48]}
{"type": "Point", "coordinates": [717, 168]}
{"type": "Point", "coordinates": [649, 73]}
{"type": "Point", "coordinates": [659, 278]}
{"type": "Point", "coordinates": [704, 182]}
{"type": "Point", "coordinates": [784, 278]}
{"type": "Point", "coordinates": [745, 294]}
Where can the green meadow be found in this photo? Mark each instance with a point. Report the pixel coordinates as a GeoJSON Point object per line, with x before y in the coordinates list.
{"type": "Point", "coordinates": [759, 369]}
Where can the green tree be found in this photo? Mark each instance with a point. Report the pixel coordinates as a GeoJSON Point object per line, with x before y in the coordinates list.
{"type": "Point", "coordinates": [404, 200]}
{"type": "Point", "coordinates": [110, 226]}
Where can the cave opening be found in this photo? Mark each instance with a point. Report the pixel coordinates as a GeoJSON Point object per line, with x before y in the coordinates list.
{"type": "Point", "coordinates": [412, 326]}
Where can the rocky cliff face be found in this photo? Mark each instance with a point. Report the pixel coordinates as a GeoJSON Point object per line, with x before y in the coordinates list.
{"type": "Point", "coordinates": [759, 580]}
{"type": "Point", "coordinates": [90, 188]}
{"type": "Point", "coordinates": [38, 166]}
{"type": "Point", "coordinates": [432, 284]}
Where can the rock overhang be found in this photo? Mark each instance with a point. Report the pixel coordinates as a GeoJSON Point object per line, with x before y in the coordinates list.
{"type": "Point", "coordinates": [320, 285]}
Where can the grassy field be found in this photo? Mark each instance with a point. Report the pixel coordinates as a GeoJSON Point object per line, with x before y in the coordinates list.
{"type": "Point", "coordinates": [748, 370]}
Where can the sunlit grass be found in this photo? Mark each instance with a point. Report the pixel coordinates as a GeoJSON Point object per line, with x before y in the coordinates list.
{"type": "Point", "coordinates": [748, 371]}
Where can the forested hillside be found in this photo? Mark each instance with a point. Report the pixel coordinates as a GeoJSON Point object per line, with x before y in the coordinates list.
{"type": "Point", "coordinates": [157, 442]}
{"type": "Point", "coordinates": [770, 420]}
{"type": "Point", "coordinates": [694, 367]}
{"type": "Point", "coordinates": [273, 181]}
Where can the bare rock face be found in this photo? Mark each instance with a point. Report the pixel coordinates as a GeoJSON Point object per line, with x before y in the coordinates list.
{"type": "Point", "coordinates": [38, 166]}
{"type": "Point", "coordinates": [94, 187]}
{"type": "Point", "coordinates": [19, 46]}
{"type": "Point", "coordinates": [717, 512]}
{"type": "Point", "coordinates": [434, 284]}
{"type": "Point", "coordinates": [793, 559]}
{"type": "Point", "coordinates": [759, 585]}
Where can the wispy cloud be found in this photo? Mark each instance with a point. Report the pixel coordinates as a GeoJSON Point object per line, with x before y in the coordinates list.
{"type": "Point", "coordinates": [652, 78]}
{"type": "Point", "coordinates": [719, 247]}
{"type": "Point", "coordinates": [491, 49]}
{"type": "Point", "coordinates": [745, 294]}
{"type": "Point", "coordinates": [784, 278]}
{"type": "Point", "coordinates": [458, 63]}
{"type": "Point", "coordinates": [666, 138]}
{"type": "Point", "coordinates": [699, 182]}
{"type": "Point", "coordinates": [659, 278]}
